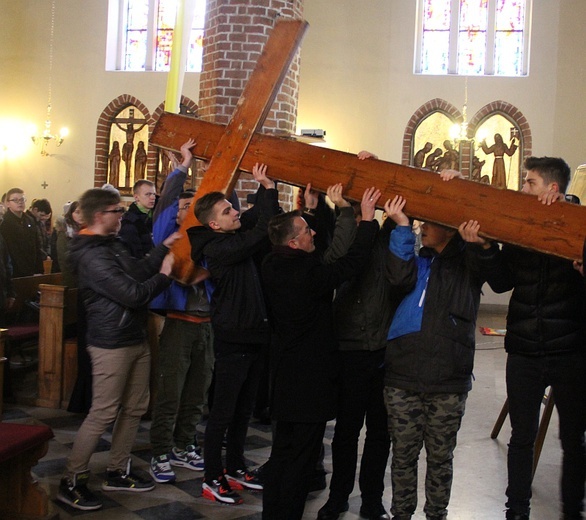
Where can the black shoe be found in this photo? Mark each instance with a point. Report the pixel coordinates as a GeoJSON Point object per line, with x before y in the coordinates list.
{"type": "Point", "coordinates": [376, 512]}
{"type": "Point", "coordinates": [74, 492]}
{"type": "Point", "coordinates": [119, 480]}
{"type": "Point", "coordinates": [511, 515]}
{"type": "Point", "coordinates": [331, 511]}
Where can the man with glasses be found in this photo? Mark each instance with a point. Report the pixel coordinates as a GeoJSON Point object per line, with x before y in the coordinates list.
{"type": "Point", "coordinates": [20, 234]}
{"type": "Point", "coordinates": [186, 354]}
{"type": "Point", "coordinates": [115, 289]}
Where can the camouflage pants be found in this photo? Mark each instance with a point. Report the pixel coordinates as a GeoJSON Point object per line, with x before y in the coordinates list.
{"type": "Point", "coordinates": [414, 419]}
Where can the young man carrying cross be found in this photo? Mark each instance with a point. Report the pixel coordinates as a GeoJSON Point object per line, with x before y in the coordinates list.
{"type": "Point", "coordinates": [241, 329]}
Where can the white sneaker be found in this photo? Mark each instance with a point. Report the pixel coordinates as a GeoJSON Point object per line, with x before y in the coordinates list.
{"type": "Point", "coordinates": [189, 458]}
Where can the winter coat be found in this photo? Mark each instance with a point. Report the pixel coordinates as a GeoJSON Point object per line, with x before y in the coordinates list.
{"type": "Point", "coordinates": [432, 335]}
{"type": "Point", "coordinates": [115, 288]}
{"type": "Point", "coordinates": [238, 311]}
{"type": "Point", "coordinates": [547, 306]}
{"type": "Point", "coordinates": [23, 243]}
{"type": "Point", "coordinates": [137, 231]}
{"type": "Point", "coordinates": [304, 351]}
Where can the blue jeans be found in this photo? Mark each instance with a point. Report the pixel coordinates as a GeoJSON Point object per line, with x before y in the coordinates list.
{"type": "Point", "coordinates": [236, 377]}
{"type": "Point", "coordinates": [527, 379]}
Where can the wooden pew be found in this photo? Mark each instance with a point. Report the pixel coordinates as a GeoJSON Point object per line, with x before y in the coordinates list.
{"type": "Point", "coordinates": [21, 447]}
{"type": "Point", "coordinates": [57, 352]}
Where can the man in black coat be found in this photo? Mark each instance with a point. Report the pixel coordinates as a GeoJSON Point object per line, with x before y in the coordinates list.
{"type": "Point", "coordinates": [299, 290]}
{"type": "Point", "coordinates": [137, 223]}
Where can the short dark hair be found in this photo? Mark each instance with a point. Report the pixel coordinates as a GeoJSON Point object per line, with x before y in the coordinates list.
{"type": "Point", "coordinates": [204, 207]}
{"type": "Point", "coordinates": [141, 182]}
{"type": "Point", "coordinates": [95, 200]}
{"type": "Point", "coordinates": [42, 205]}
{"type": "Point", "coordinates": [282, 227]}
{"type": "Point", "coordinates": [551, 169]}
{"type": "Point", "coordinates": [186, 195]}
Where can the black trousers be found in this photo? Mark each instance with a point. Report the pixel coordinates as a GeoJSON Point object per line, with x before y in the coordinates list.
{"type": "Point", "coordinates": [236, 380]}
{"type": "Point", "coordinates": [527, 378]}
{"type": "Point", "coordinates": [295, 452]}
{"type": "Point", "coordinates": [361, 398]}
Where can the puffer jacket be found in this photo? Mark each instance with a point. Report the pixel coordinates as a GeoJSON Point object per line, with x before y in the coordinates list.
{"type": "Point", "coordinates": [547, 306]}
{"type": "Point", "coordinates": [136, 230]}
{"type": "Point", "coordinates": [436, 355]}
{"type": "Point", "coordinates": [115, 288]}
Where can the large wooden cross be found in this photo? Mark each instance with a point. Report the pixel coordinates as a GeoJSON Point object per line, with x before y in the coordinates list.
{"type": "Point", "coordinates": [504, 215]}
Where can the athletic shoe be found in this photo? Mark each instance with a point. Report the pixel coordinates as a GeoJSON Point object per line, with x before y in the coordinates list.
{"type": "Point", "coordinates": [74, 493]}
{"type": "Point", "coordinates": [244, 479]}
{"type": "Point", "coordinates": [120, 480]}
{"type": "Point", "coordinates": [189, 458]}
{"type": "Point", "coordinates": [220, 491]}
{"type": "Point", "coordinates": [161, 469]}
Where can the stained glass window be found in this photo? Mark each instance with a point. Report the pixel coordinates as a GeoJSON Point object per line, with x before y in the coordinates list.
{"type": "Point", "coordinates": [143, 30]}
{"type": "Point", "coordinates": [473, 37]}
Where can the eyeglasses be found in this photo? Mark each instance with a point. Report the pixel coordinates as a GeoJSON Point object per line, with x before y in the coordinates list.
{"type": "Point", "coordinates": [305, 231]}
{"type": "Point", "coordinates": [18, 201]}
{"type": "Point", "coordinates": [117, 210]}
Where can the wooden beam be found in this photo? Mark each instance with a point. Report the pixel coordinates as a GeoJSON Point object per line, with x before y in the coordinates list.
{"type": "Point", "coordinates": [252, 108]}
{"type": "Point", "coordinates": [504, 215]}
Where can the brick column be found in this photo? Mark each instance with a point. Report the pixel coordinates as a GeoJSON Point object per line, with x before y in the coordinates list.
{"type": "Point", "coordinates": [235, 34]}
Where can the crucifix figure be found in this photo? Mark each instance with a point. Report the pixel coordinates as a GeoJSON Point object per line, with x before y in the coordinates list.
{"type": "Point", "coordinates": [128, 146]}
{"type": "Point", "coordinates": [509, 216]}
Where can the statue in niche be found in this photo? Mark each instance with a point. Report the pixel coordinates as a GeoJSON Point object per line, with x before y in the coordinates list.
{"type": "Point", "coordinates": [450, 159]}
{"type": "Point", "coordinates": [419, 157]}
{"type": "Point", "coordinates": [433, 159]}
{"type": "Point", "coordinates": [140, 160]}
{"type": "Point", "coordinates": [476, 173]}
{"type": "Point", "coordinates": [132, 126]}
{"type": "Point", "coordinates": [114, 161]}
{"type": "Point", "coordinates": [499, 149]}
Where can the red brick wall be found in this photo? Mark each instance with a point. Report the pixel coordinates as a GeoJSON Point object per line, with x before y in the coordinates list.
{"type": "Point", "coordinates": [235, 34]}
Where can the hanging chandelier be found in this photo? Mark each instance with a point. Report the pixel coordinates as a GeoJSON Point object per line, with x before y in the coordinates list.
{"type": "Point", "coordinates": [459, 132]}
{"type": "Point", "coordinates": [47, 136]}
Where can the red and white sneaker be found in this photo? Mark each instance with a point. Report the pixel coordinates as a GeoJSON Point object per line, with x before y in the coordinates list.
{"type": "Point", "coordinates": [219, 490]}
{"type": "Point", "coordinates": [242, 478]}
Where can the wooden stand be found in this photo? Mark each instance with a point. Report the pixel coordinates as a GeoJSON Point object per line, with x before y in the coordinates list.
{"type": "Point", "coordinates": [57, 354]}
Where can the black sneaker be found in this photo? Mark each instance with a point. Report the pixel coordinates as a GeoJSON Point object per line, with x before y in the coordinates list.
{"type": "Point", "coordinates": [375, 512]}
{"type": "Point", "coordinates": [74, 493]}
{"type": "Point", "coordinates": [119, 480]}
{"type": "Point", "coordinates": [242, 478]}
{"type": "Point", "coordinates": [512, 515]}
{"type": "Point", "coordinates": [220, 491]}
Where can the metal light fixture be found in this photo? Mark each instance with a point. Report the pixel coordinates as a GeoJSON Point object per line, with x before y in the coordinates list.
{"type": "Point", "coordinates": [459, 132]}
{"type": "Point", "coordinates": [47, 136]}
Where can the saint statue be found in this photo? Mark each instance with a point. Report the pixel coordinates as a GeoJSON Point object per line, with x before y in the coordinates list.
{"type": "Point", "coordinates": [499, 149]}
{"type": "Point", "coordinates": [114, 160]}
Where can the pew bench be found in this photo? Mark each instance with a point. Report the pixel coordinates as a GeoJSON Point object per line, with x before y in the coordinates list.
{"type": "Point", "coordinates": [21, 447]}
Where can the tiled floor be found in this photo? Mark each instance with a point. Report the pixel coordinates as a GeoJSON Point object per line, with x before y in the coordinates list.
{"type": "Point", "coordinates": [479, 477]}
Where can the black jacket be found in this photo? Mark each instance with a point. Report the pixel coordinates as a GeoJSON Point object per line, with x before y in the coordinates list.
{"type": "Point", "coordinates": [364, 306]}
{"type": "Point", "coordinates": [23, 243]}
{"type": "Point", "coordinates": [440, 357]}
{"type": "Point", "coordinates": [304, 352]}
{"type": "Point", "coordinates": [238, 311]}
{"type": "Point", "coordinates": [115, 288]}
{"type": "Point", "coordinates": [137, 231]}
{"type": "Point", "coordinates": [547, 306]}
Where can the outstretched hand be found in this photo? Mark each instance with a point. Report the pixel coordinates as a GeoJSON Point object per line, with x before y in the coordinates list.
{"type": "Point", "coordinates": [368, 203]}
{"type": "Point", "coordinates": [335, 195]}
{"type": "Point", "coordinates": [394, 210]}
{"type": "Point", "coordinates": [310, 197]}
{"type": "Point", "coordinates": [448, 175]}
{"type": "Point", "coordinates": [259, 172]}
{"type": "Point", "coordinates": [186, 154]}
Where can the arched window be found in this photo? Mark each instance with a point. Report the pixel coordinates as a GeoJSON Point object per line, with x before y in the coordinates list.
{"type": "Point", "coordinates": [140, 35]}
{"type": "Point", "coordinates": [473, 37]}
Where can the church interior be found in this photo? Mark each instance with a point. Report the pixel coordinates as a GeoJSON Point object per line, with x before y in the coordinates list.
{"type": "Point", "coordinates": [355, 84]}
